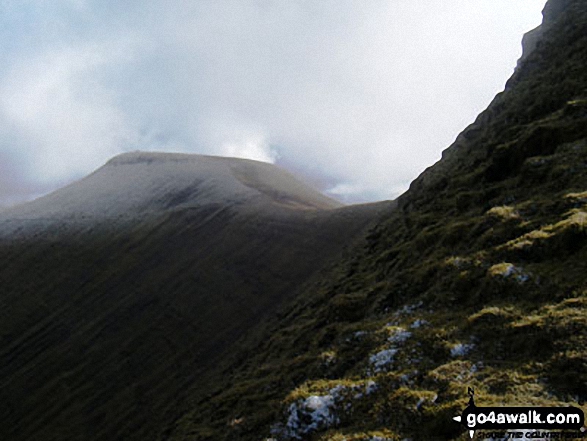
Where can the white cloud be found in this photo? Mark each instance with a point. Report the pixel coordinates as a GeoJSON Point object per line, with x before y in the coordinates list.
{"type": "Point", "coordinates": [62, 116]}
{"type": "Point", "coordinates": [361, 97]}
{"type": "Point", "coordinates": [250, 148]}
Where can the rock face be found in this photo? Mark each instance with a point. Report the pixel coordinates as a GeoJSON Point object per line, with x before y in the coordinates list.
{"type": "Point", "coordinates": [530, 41]}
{"type": "Point", "coordinates": [478, 279]}
{"type": "Point", "coordinates": [553, 9]}
{"type": "Point", "coordinates": [551, 12]}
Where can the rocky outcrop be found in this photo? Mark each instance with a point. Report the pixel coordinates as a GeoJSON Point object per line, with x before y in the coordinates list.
{"type": "Point", "coordinates": [531, 39]}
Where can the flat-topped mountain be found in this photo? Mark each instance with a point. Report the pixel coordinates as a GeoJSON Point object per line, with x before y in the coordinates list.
{"type": "Point", "coordinates": [145, 184]}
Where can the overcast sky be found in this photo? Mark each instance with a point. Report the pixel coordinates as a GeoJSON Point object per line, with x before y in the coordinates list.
{"type": "Point", "coordinates": [356, 96]}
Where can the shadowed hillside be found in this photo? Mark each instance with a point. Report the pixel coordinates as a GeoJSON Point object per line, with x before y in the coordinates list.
{"type": "Point", "coordinates": [478, 279]}
{"type": "Point", "coordinates": [122, 292]}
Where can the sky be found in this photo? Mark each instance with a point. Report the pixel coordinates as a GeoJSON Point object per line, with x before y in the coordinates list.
{"type": "Point", "coordinates": [355, 97]}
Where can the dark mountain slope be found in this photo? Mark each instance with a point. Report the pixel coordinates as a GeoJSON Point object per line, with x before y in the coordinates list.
{"type": "Point", "coordinates": [479, 279]}
{"type": "Point", "coordinates": [114, 305]}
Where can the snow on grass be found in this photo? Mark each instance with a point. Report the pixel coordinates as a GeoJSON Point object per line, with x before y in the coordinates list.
{"type": "Point", "coordinates": [508, 270]}
{"type": "Point", "coordinates": [399, 336]}
{"type": "Point", "coordinates": [461, 349]}
{"type": "Point", "coordinates": [408, 309]}
{"type": "Point", "coordinates": [381, 360]}
{"type": "Point", "coordinates": [419, 323]}
{"type": "Point", "coordinates": [313, 413]}
{"type": "Point", "coordinates": [371, 387]}
{"type": "Point", "coordinates": [321, 411]}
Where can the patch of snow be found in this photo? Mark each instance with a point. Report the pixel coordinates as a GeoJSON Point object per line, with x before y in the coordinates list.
{"type": "Point", "coordinates": [476, 367]}
{"type": "Point", "coordinates": [320, 412]}
{"type": "Point", "coordinates": [461, 349]}
{"type": "Point", "coordinates": [316, 412]}
{"type": "Point", "coordinates": [320, 408]}
{"type": "Point", "coordinates": [421, 402]}
{"type": "Point", "coordinates": [509, 270]}
{"type": "Point", "coordinates": [371, 387]}
{"type": "Point", "coordinates": [522, 278]}
{"type": "Point", "coordinates": [419, 323]}
{"type": "Point", "coordinates": [399, 336]}
{"type": "Point", "coordinates": [409, 309]}
{"type": "Point", "coordinates": [407, 378]}
{"type": "Point", "coordinates": [383, 358]}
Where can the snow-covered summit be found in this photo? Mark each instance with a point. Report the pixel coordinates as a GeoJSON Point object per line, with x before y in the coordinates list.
{"type": "Point", "coordinates": [141, 183]}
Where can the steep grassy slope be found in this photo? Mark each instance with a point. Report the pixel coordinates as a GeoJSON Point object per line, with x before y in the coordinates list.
{"type": "Point", "coordinates": [479, 279]}
{"type": "Point", "coordinates": [109, 317]}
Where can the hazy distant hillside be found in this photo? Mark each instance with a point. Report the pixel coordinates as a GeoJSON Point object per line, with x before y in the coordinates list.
{"type": "Point", "coordinates": [121, 293]}
{"type": "Point", "coordinates": [478, 279]}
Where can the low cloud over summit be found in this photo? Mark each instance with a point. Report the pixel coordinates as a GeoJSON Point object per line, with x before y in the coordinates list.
{"type": "Point", "coordinates": [358, 98]}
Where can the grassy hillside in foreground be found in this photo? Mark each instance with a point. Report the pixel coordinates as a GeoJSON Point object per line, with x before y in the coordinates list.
{"type": "Point", "coordinates": [107, 326]}
{"type": "Point", "coordinates": [478, 280]}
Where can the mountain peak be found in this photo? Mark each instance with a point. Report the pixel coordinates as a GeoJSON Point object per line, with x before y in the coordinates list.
{"type": "Point", "coordinates": [150, 157]}
{"type": "Point", "coordinates": [139, 184]}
